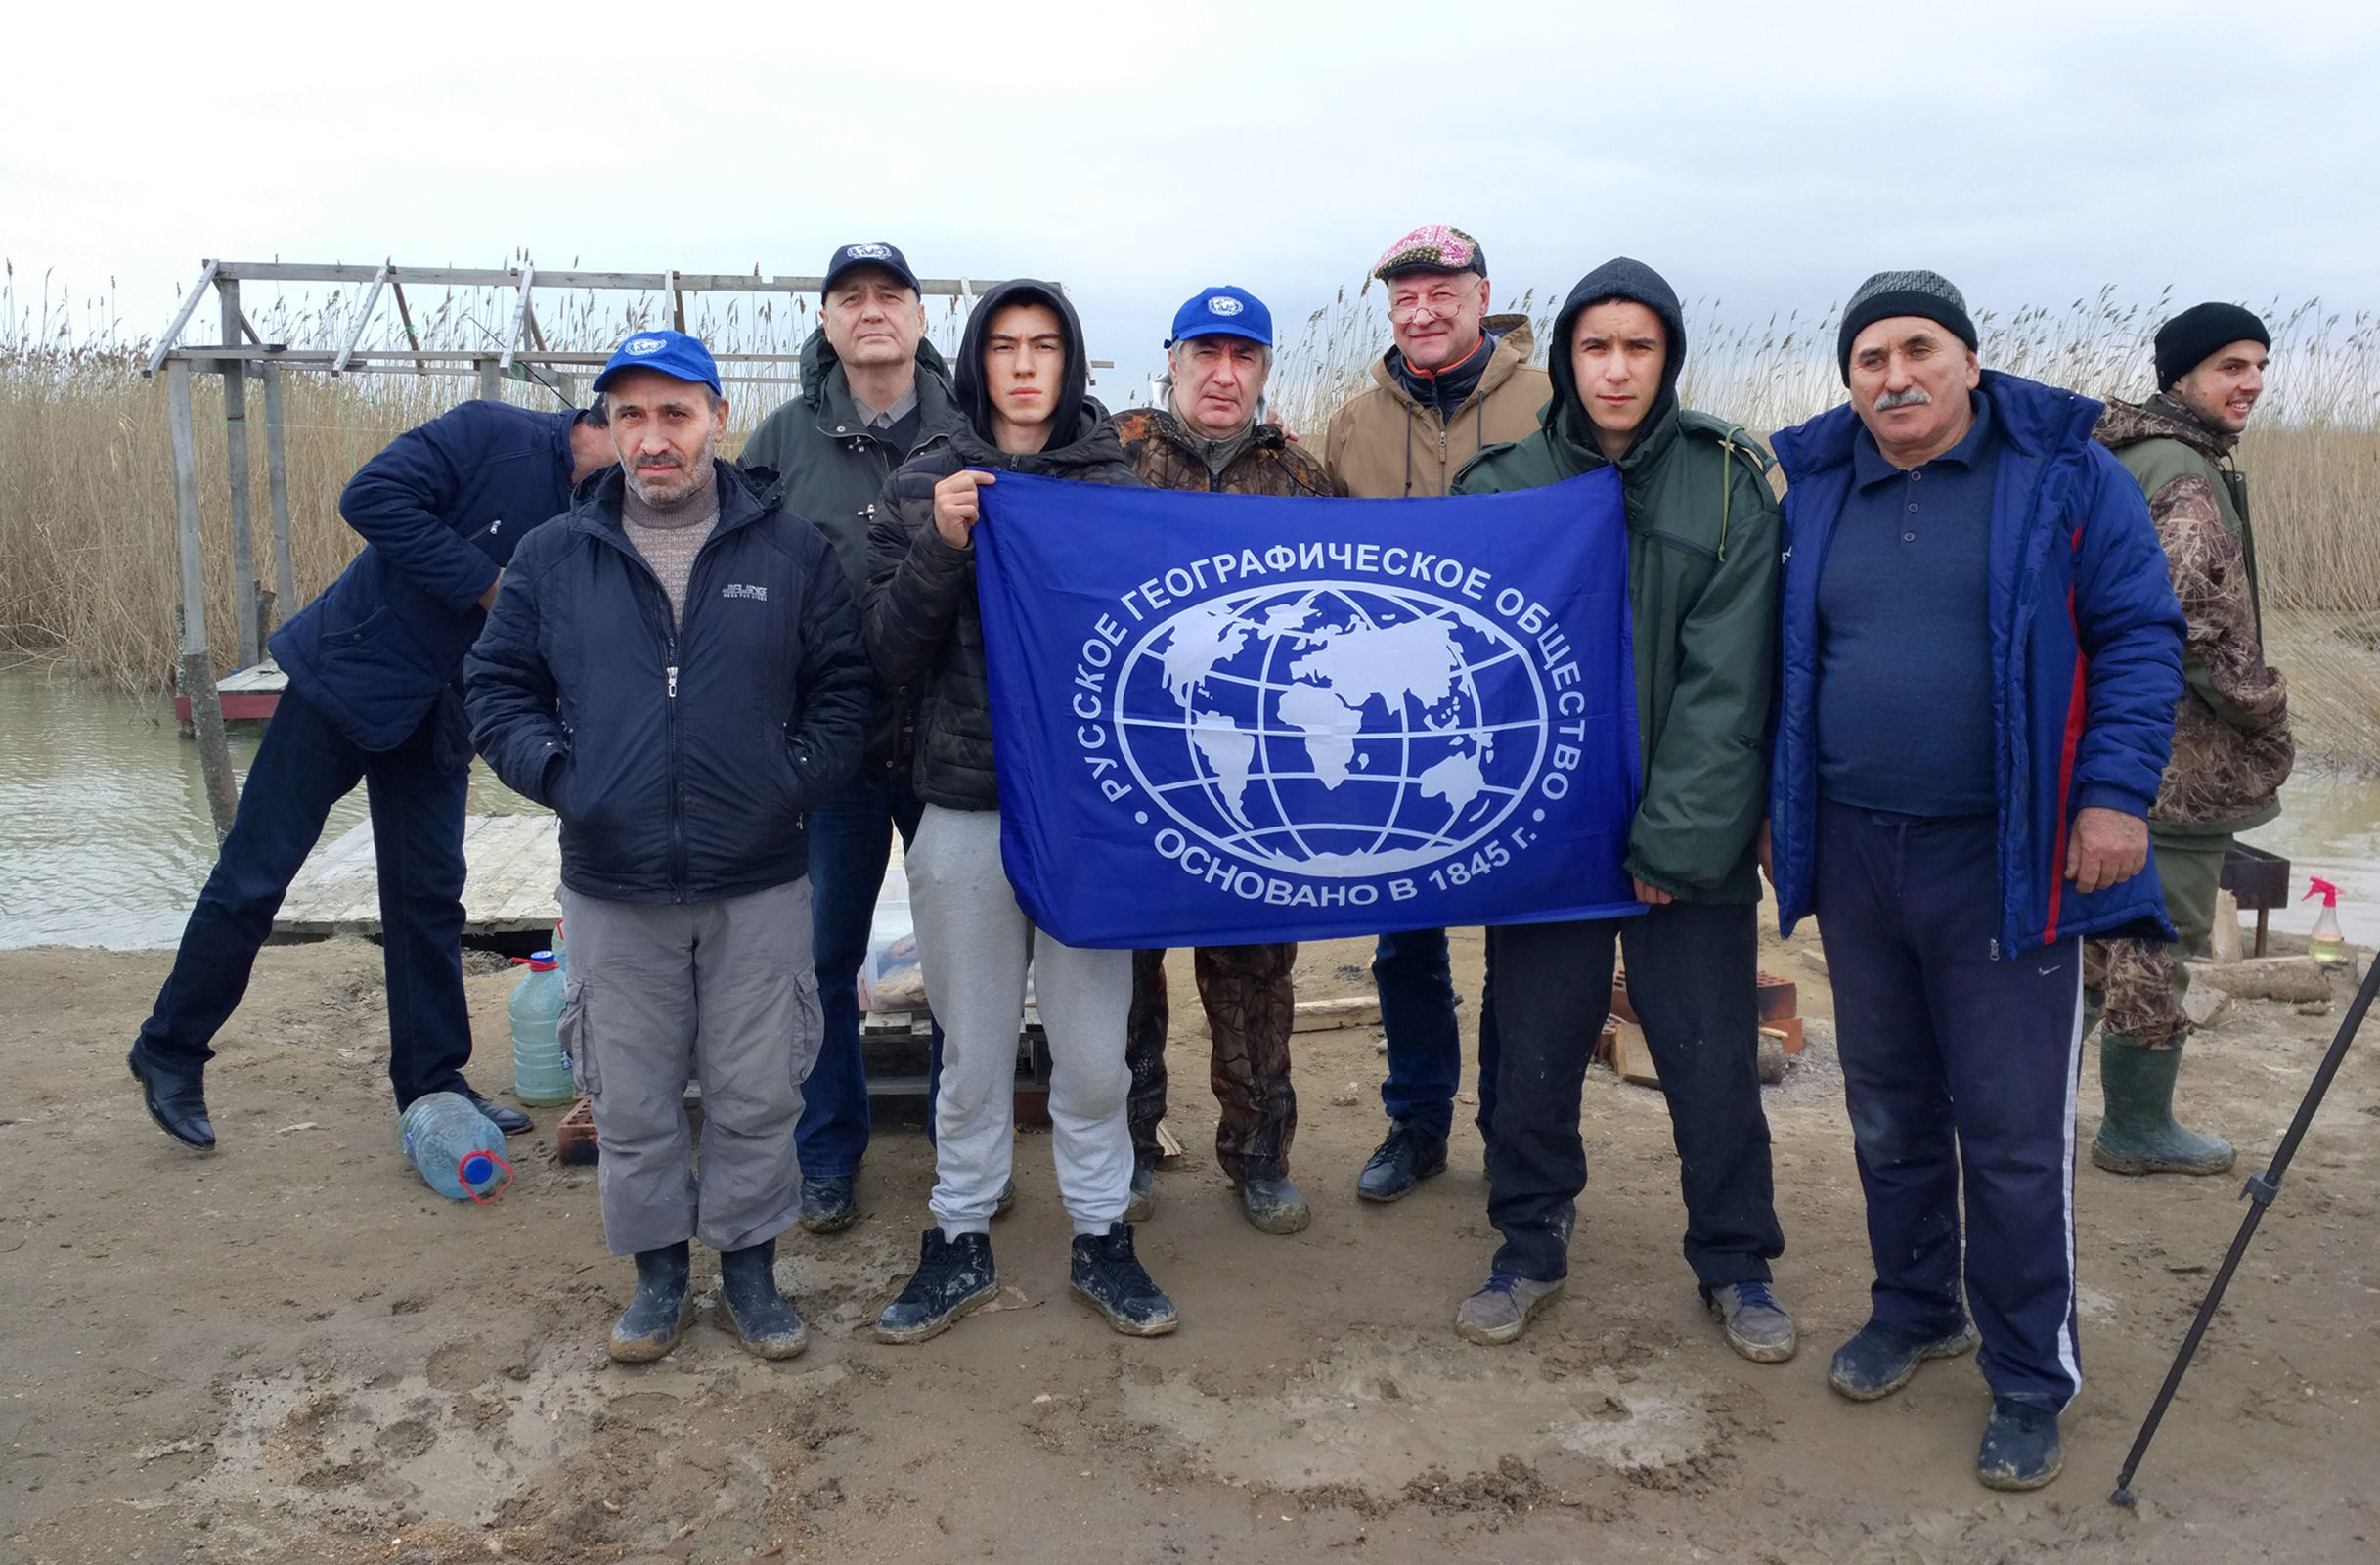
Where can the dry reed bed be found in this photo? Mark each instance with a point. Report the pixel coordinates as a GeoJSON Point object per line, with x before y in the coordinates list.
{"type": "Point", "coordinates": [89, 574]}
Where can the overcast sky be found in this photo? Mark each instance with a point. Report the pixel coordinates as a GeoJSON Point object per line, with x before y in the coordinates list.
{"type": "Point", "coordinates": [1761, 154]}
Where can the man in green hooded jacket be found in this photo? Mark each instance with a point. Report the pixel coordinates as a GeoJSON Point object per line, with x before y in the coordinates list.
{"type": "Point", "coordinates": [1703, 581]}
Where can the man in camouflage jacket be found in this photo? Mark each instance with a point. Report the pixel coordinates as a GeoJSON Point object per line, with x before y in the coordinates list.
{"type": "Point", "coordinates": [2231, 744]}
{"type": "Point", "coordinates": [1208, 437]}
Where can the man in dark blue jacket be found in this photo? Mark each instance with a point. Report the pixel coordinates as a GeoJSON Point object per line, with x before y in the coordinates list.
{"type": "Point", "coordinates": [1981, 657]}
{"type": "Point", "coordinates": [373, 698]}
{"type": "Point", "coordinates": [676, 667]}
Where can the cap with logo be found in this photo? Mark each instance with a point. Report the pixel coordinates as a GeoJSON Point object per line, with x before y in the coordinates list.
{"type": "Point", "coordinates": [1223, 312]}
{"type": "Point", "coordinates": [1433, 248]}
{"type": "Point", "coordinates": [871, 252]}
{"type": "Point", "coordinates": [671, 353]}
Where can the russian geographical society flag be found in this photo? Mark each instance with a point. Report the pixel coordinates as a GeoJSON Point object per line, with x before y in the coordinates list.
{"type": "Point", "coordinates": [1225, 719]}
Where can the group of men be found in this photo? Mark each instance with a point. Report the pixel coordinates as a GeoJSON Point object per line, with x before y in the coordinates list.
{"type": "Point", "coordinates": [1946, 694]}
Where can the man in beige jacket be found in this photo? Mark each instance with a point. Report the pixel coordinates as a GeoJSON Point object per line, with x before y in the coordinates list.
{"type": "Point", "coordinates": [1457, 380]}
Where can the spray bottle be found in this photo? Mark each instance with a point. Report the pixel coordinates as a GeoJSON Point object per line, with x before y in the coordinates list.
{"type": "Point", "coordinates": [2326, 943]}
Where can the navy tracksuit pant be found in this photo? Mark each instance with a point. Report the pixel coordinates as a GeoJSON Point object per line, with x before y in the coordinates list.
{"type": "Point", "coordinates": [1959, 1059]}
{"type": "Point", "coordinates": [1693, 980]}
{"type": "Point", "coordinates": [304, 765]}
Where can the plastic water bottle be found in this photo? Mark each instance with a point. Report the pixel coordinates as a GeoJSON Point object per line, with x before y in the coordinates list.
{"type": "Point", "coordinates": [2326, 943]}
{"type": "Point", "coordinates": [540, 1073]}
{"type": "Point", "coordinates": [457, 1149]}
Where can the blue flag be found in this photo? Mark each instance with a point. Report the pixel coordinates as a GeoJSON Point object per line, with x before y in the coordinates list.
{"type": "Point", "coordinates": [1227, 719]}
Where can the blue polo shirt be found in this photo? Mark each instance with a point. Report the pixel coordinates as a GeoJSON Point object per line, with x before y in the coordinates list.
{"type": "Point", "coordinates": [1905, 717]}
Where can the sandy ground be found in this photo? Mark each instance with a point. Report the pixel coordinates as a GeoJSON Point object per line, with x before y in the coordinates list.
{"type": "Point", "coordinates": [292, 1350]}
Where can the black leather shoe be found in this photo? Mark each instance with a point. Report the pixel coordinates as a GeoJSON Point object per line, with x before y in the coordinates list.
{"type": "Point", "coordinates": [511, 1121]}
{"type": "Point", "coordinates": [176, 1098]}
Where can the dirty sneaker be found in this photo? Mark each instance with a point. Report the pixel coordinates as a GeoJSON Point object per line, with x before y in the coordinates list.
{"type": "Point", "coordinates": [663, 1308]}
{"type": "Point", "coordinates": [1143, 1206]}
{"type": "Point", "coordinates": [2020, 1446]}
{"type": "Point", "coordinates": [1757, 1327]}
{"type": "Point", "coordinates": [1500, 1312]}
{"type": "Point", "coordinates": [828, 1204]}
{"type": "Point", "coordinates": [1272, 1203]}
{"type": "Point", "coordinates": [1408, 1157]}
{"type": "Point", "coordinates": [1108, 1277]}
{"type": "Point", "coordinates": [1880, 1358]}
{"type": "Point", "coordinates": [953, 1277]}
{"type": "Point", "coordinates": [1007, 1198]}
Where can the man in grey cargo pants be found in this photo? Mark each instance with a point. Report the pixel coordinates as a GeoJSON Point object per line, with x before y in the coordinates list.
{"type": "Point", "coordinates": [676, 667]}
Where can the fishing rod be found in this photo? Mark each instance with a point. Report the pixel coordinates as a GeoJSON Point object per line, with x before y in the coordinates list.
{"type": "Point", "coordinates": [2261, 1188]}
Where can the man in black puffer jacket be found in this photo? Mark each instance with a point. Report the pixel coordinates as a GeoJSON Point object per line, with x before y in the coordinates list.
{"type": "Point", "coordinates": [1023, 382]}
{"type": "Point", "coordinates": [676, 667]}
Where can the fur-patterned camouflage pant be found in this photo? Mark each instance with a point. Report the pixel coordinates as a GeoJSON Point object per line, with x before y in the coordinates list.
{"type": "Point", "coordinates": [2140, 984]}
{"type": "Point", "coordinates": [1250, 1008]}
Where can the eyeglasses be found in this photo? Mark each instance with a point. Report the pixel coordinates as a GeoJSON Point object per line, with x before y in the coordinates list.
{"type": "Point", "coordinates": [1440, 302]}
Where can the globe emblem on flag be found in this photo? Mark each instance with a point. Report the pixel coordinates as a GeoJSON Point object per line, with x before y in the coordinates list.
{"type": "Point", "coordinates": [1333, 729]}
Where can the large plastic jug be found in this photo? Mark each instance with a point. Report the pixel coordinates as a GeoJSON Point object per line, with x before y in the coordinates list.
{"type": "Point", "coordinates": [456, 1149]}
{"type": "Point", "coordinates": [540, 1073]}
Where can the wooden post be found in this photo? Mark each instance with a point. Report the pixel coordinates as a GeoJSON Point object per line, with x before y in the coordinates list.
{"type": "Point", "coordinates": [235, 450]}
{"type": "Point", "coordinates": [491, 380]}
{"type": "Point", "coordinates": [277, 481]}
{"type": "Point", "coordinates": [198, 671]}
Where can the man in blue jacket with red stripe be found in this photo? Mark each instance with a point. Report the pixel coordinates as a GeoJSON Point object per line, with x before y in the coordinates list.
{"type": "Point", "coordinates": [1981, 657]}
{"type": "Point", "coordinates": [373, 698]}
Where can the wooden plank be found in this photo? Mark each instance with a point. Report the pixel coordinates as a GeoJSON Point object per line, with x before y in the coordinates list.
{"type": "Point", "coordinates": [514, 863]}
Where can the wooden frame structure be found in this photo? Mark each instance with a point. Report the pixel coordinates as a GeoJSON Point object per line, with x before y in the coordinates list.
{"type": "Point", "coordinates": [242, 355]}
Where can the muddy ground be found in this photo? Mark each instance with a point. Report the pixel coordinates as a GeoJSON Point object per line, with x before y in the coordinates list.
{"type": "Point", "coordinates": [292, 1350]}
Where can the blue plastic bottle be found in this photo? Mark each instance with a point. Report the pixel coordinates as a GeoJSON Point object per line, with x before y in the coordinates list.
{"type": "Point", "coordinates": [540, 1073]}
{"type": "Point", "coordinates": [454, 1146]}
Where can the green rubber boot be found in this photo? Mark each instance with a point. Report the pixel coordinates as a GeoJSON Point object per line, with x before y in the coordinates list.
{"type": "Point", "coordinates": [2139, 1134]}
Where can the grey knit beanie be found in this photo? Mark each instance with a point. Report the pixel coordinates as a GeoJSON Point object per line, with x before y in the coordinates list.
{"type": "Point", "coordinates": [1890, 293]}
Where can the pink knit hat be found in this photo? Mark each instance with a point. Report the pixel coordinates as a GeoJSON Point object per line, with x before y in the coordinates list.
{"type": "Point", "coordinates": [1433, 248]}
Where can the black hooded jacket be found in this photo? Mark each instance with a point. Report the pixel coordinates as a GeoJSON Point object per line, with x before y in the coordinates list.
{"type": "Point", "coordinates": [924, 630]}
{"type": "Point", "coordinates": [1616, 278]}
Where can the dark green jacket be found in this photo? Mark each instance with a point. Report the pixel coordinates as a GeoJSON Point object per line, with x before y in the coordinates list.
{"type": "Point", "coordinates": [832, 468]}
{"type": "Point", "coordinates": [1702, 580]}
{"type": "Point", "coordinates": [834, 471]}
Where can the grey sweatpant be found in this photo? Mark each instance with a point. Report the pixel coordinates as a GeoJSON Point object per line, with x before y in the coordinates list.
{"type": "Point", "coordinates": [720, 992]}
{"type": "Point", "coordinates": [973, 943]}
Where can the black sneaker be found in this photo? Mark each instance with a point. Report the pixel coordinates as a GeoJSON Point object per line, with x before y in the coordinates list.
{"type": "Point", "coordinates": [953, 1277]}
{"type": "Point", "coordinates": [2020, 1446]}
{"type": "Point", "coordinates": [1407, 1157]}
{"type": "Point", "coordinates": [827, 1204]}
{"type": "Point", "coordinates": [1880, 1358]}
{"type": "Point", "coordinates": [1143, 1205]}
{"type": "Point", "coordinates": [1108, 1277]}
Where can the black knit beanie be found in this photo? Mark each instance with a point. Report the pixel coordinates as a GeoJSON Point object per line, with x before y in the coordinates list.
{"type": "Point", "coordinates": [2193, 337]}
{"type": "Point", "coordinates": [1890, 293]}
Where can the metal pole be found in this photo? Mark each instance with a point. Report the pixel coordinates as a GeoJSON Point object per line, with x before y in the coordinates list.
{"type": "Point", "coordinates": [198, 672]}
{"type": "Point", "coordinates": [277, 481]}
{"type": "Point", "coordinates": [2261, 1188]}
{"type": "Point", "coordinates": [236, 437]}
{"type": "Point", "coordinates": [491, 380]}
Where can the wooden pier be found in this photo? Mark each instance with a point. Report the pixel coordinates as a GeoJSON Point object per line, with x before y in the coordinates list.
{"type": "Point", "coordinates": [515, 868]}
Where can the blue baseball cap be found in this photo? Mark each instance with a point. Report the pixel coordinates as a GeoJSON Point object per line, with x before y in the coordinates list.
{"type": "Point", "coordinates": [671, 353]}
{"type": "Point", "coordinates": [1223, 312]}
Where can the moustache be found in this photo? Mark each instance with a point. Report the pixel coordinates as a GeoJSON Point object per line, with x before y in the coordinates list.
{"type": "Point", "coordinates": [665, 459]}
{"type": "Point", "coordinates": [1914, 397]}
